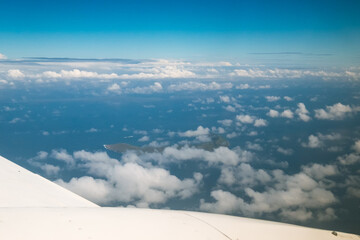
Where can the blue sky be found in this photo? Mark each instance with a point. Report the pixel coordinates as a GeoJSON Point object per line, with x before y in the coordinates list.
{"type": "Point", "coordinates": [180, 29]}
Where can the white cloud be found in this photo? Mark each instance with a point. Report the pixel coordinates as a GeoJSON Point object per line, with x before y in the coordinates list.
{"type": "Point", "coordinates": [260, 123]}
{"type": "Point", "coordinates": [15, 73]}
{"type": "Point", "coordinates": [226, 122]}
{"type": "Point", "coordinates": [287, 114]}
{"type": "Point", "coordinates": [243, 86]}
{"type": "Point", "coordinates": [302, 112]}
{"type": "Point", "coordinates": [225, 99]}
{"type": "Point", "coordinates": [128, 182]}
{"type": "Point", "coordinates": [195, 133]}
{"type": "Point", "coordinates": [272, 98]}
{"type": "Point", "coordinates": [144, 139]}
{"type": "Point", "coordinates": [219, 155]}
{"type": "Point", "coordinates": [349, 159]}
{"type": "Point", "coordinates": [247, 119]}
{"type": "Point", "coordinates": [284, 151]}
{"type": "Point", "coordinates": [356, 146]}
{"type": "Point", "coordinates": [16, 120]}
{"type": "Point", "coordinates": [63, 155]}
{"type": "Point", "coordinates": [313, 142]}
{"type": "Point", "coordinates": [156, 87]}
{"type": "Point", "coordinates": [285, 73]}
{"type": "Point", "coordinates": [300, 214]}
{"type": "Point", "coordinates": [319, 140]}
{"type": "Point", "coordinates": [2, 56]}
{"type": "Point", "coordinates": [287, 98]}
{"type": "Point", "coordinates": [114, 87]}
{"type": "Point", "coordinates": [50, 170]}
{"type": "Point", "coordinates": [230, 108]}
{"type": "Point", "coordinates": [273, 113]}
{"type": "Point", "coordinates": [194, 86]}
{"type": "Point", "coordinates": [337, 111]}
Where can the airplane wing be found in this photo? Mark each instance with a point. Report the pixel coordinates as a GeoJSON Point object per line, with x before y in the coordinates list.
{"type": "Point", "coordinates": [32, 207]}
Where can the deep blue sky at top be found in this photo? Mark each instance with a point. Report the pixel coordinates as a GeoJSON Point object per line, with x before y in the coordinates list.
{"type": "Point", "coordinates": [171, 29]}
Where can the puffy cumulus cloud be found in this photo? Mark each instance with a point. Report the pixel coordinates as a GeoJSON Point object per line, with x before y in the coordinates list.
{"type": "Point", "coordinates": [199, 86]}
{"type": "Point", "coordinates": [318, 141]}
{"type": "Point", "coordinates": [272, 98]}
{"type": "Point", "coordinates": [230, 108]}
{"type": "Point", "coordinates": [318, 171]}
{"type": "Point", "coordinates": [127, 182]}
{"type": "Point", "coordinates": [63, 155]}
{"type": "Point", "coordinates": [2, 56]}
{"type": "Point", "coordinates": [284, 73]}
{"type": "Point", "coordinates": [243, 175]}
{"type": "Point", "coordinates": [337, 111]}
{"type": "Point", "coordinates": [349, 159]}
{"type": "Point", "coordinates": [302, 112]}
{"type": "Point", "coordinates": [50, 170]}
{"type": "Point", "coordinates": [114, 87]}
{"type": "Point", "coordinates": [287, 114]}
{"type": "Point", "coordinates": [221, 155]}
{"type": "Point", "coordinates": [225, 99]}
{"type": "Point", "coordinates": [156, 87]}
{"type": "Point", "coordinates": [247, 119]}
{"type": "Point", "coordinates": [356, 146]}
{"type": "Point", "coordinates": [303, 193]}
{"type": "Point", "coordinates": [144, 139]}
{"type": "Point", "coordinates": [289, 99]}
{"type": "Point", "coordinates": [273, 113]}
{"type": "Point", "coordinates": [15, 73]}
{"type": "Point", "coordinates": [313, 142]}
{"type": "Point", "coordinates": [161, 72]}
{"type": "Point", "coordinates": [300, 214]}
{"type": "Point", "coordinates": [285, 151]}
{"type": "Point", "coordinates": [260, 123]}
{"type": "Point", "coordinates": [195, 133]}
{"type": "Point", "coordinates": [78, 74]}
{"type": "Point", "coordinates": [226, 122]}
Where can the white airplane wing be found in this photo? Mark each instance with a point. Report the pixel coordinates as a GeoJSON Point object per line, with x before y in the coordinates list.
{"type": "Point", "coordinates": [32, 207]}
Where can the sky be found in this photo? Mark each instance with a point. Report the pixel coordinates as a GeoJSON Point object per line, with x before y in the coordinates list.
{"type": "Point", "coordinates": [279, 80]}
{"type": "Point", "coordinates": [180, 29]}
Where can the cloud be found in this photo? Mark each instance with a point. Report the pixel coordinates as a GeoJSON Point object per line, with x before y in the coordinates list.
{"type": "Point", "coordinates": [349, 159]}
{"type": "Point", "coordinates": [156, 87]}
{"type": "Point", "coordinates": [287, 98]}
{"type": "Point", "coordinates": [63, 155]}
{"type": "Point", "coordinates": [287, 114]}
{"type": "Point", "coordinates": [225, 99]}
{"type": "Point", "coordinates": [195, 133]}
{"type": "Point", "coordinates": [247, 119]}
{"type": "Point", "coordinates": [230, 108]}
{"type": "Point", "coordinates": [272, 98]}
{"type": "Point", "coordinates": [144, 139]}
{"type": "Point", "coordinates": [219, 155]}
{"type": "Point", "coordinates": [15, 73]}
{"type": "Point", "coordinates": [302, 112]}
{"type": "Point", "coordinates": [199, 86]}
{"type": "Point", "coordinates": [127, 182]}
{"type": "Point", "coordinates": [226, 122]}
{"type": "Point", "coordinates": [77, 74]}
{"type": "Point", "coordinates": [273, 113]}
{"type": "Point", "coordinates": [284, 151]}
{"type": "Point", "coordinates": [286, 195]}
{"type": "Point", "coordinates": [285, 73]}
{"type": "Point", "coordinates": [114, 87]}
{"type": "Point", "coordinates": [337, 111]}
{"type": "Point", "coordinates": [318, 141]}
{"type": "Point", "coordinates": [2, 57]}
{"type": "Point", "coordinates": [260, 123]}
{"type": "Point", "coordinates": [313, 142]}
{"type": "Point", "coordinates": [356, 146]}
